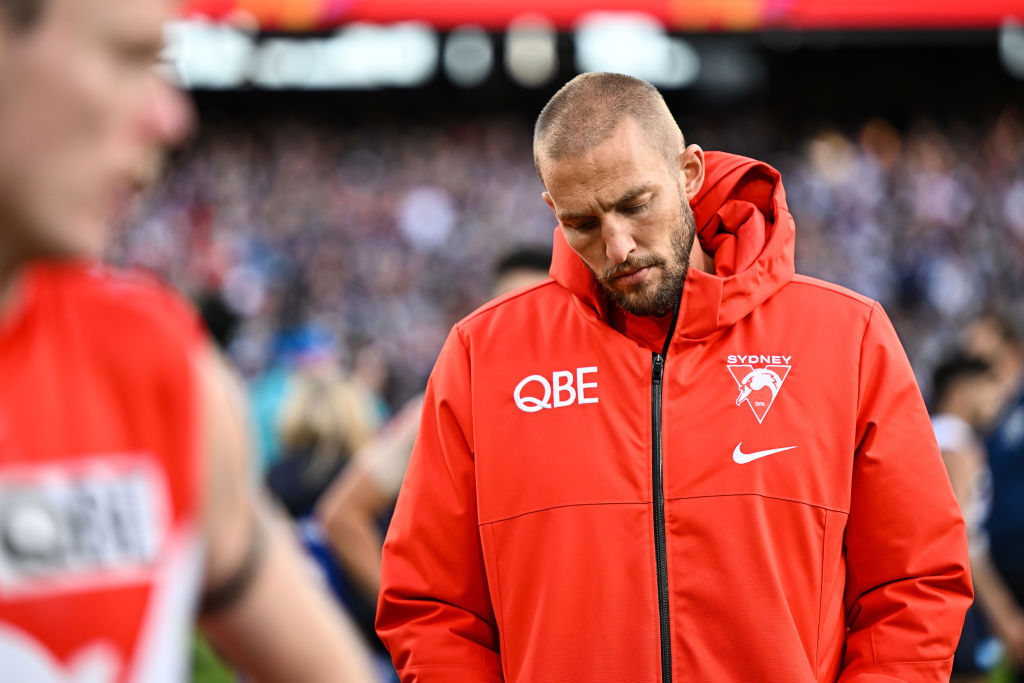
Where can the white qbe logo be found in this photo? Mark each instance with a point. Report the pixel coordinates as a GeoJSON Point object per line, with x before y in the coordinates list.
{"type": "Point", "coordinates": [563, 389]}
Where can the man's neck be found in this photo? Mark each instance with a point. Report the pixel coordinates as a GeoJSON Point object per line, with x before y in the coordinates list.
{"type": "Point", "coordinates": [700, 259]}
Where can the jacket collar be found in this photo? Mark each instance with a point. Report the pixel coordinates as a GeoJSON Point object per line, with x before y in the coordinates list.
{"type": "Point", "coordinates": [742, 221]}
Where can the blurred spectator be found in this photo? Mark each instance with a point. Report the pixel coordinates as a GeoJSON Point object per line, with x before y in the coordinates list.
{"type": "Point", "coordinates": [370, 376]}
{"type": "Point", "coordinates": [999, 577]}
{"type": "Point", "coordinates": [351, 510]}
{"type": "Point", "coordinates": [295, 345]}
{"type": "Point", "coordinates": [520, 267]}
{"type": "Point", "coordinates": [322, 418]}
{"type": "Point", "coordinates": [997, 561]}
{"type": "Point", "coordinates": [994, 337]}
{"type": "Point", "coordinates": [966, 399]}
{"type": "Point", "coordinates": [220, 319]}
{"type": "Point", "coordinates": [322, 422]}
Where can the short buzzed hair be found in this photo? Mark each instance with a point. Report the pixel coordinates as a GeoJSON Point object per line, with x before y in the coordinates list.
{"type": "Point", "coordinates": [525, 257]}
{"type": "Point", "coordinates": [22, 14]}
{"type": "Point", "coordinates": [957, 368]}
{"type": "Point", "coordinates": [587, 110]}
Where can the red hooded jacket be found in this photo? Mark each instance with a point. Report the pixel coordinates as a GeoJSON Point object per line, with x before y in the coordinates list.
{"type": "Point", "coordinates": [763, 502]}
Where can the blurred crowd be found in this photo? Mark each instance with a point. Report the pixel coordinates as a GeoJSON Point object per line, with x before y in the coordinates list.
{"type": "Point", "coordinates": [930, 222]}
{"type": "Point", "coordinates": [377, 238]}
{"type": "Point", "coordinates": [330, 262]}
{"type": "Point", "coordinates": [380, 236]}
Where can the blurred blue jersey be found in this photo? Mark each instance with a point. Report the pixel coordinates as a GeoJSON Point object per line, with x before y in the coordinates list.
{"type": "Point", "coordinates": [1005, 523]}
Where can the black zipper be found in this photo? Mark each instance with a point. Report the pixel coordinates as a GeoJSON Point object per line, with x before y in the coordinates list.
{"type": "Point", "coordinates": [660, 552]}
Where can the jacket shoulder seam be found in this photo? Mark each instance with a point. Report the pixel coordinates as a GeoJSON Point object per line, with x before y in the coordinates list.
{"type": "Point", "coordinates": [461, 334]}
{"type": "Point", "coordinates": [814, 283]}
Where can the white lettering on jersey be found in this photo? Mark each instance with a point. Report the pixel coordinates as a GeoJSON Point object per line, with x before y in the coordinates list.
{"type": "Point", "coordinates": [74, 525]}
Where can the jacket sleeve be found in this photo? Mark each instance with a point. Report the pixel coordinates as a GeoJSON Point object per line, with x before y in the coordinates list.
{"type": "Point", "coordinates": [908, 584]}
{"type": "Point", "coordinates": [434, 611]}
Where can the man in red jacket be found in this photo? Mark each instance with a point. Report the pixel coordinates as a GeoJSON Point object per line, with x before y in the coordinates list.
{"type": "Point", "coordinates": [675, 459]}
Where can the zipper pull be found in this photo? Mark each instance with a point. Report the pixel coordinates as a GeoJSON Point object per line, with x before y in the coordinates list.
{"type": "Point", "coordinates": [658, 367]}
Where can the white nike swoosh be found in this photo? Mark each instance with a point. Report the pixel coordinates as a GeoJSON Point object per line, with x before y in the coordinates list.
{"type": "Point", "coordinates": [742, 458]}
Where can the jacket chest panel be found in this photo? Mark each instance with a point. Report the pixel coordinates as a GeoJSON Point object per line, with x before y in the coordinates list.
{"type": "Point", "coordinates": [562, 428]}
{"type": "Point", "coordinates": [763, 414]}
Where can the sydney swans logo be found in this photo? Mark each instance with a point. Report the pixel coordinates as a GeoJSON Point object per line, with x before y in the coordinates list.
{"type": "Point", "coordinates": [758, 386]}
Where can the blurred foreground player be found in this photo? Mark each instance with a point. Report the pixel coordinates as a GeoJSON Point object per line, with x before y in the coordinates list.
{"type": "Point", "coordinates": [675, 460]}
{"type": "Point", "coordinates": [122, 452]}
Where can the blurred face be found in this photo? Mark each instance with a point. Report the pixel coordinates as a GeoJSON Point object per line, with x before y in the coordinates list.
{"type": "Point", "coordinates": [83, 118]}
{"type": "Point", "coordinates": [984, 397]}
{"type": "Point", "coordinates": [985, 340]}
{"type": "Point", "coordinates": [625, 211]}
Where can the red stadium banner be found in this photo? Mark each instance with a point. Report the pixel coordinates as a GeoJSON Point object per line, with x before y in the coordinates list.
{"type": "Point", "coordinates": [680, 15]}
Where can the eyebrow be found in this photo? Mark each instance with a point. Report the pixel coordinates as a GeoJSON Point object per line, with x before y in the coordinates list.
{"type": "Point", "coordinates": [628, 196]}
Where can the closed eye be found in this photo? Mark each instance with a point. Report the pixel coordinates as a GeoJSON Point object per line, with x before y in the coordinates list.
{"type": "Point", "coordinates": [636, 210]}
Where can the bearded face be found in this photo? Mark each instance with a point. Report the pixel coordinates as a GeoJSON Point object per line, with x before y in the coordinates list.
{"type": "Point", "coordinates": [623, 208]}
{"type": "Point", "coordinates": [652, 296]}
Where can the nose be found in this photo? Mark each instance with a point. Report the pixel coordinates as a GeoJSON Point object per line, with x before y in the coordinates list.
{"type": "Point", "coordinates": [618, 240]}
{"type": "Point", "coordinates": [168, 117]}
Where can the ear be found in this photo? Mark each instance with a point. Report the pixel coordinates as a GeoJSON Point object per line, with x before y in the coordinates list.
{"type": "Point", "coordinates": [547, 200]}
{"type": "Point", "coordinates": [691, 170]}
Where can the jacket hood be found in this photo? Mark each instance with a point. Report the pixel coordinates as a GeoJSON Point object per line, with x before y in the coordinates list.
{"type": "Point", "coordinates": [742, 221]}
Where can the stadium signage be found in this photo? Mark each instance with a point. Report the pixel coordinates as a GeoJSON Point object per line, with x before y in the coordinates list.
{"type": "Point", "coordinates": [675, 15]}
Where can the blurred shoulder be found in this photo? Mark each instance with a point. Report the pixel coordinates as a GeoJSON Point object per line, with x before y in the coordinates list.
{"type": "Point", "coordinates": [131, 304]}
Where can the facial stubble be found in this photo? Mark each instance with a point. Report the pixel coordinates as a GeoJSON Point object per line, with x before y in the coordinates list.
{"type": "Point", "coordinates": [638, 300]}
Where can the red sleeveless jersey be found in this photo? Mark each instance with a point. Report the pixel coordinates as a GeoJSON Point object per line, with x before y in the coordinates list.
{"type": "Point", "coordinates": [99, 478]}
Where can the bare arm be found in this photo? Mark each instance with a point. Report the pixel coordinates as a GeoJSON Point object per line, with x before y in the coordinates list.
{"type": "Point", "coordinates": [281, 626]}
{"type": "Point", "coordinates": [349, 514]}
{"type": "Point", "coordinates": [999, 605]}
{"type": "Point", "coordinates": [365, 489]}
{"type": "Point", "coordinates": [963, 466]}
